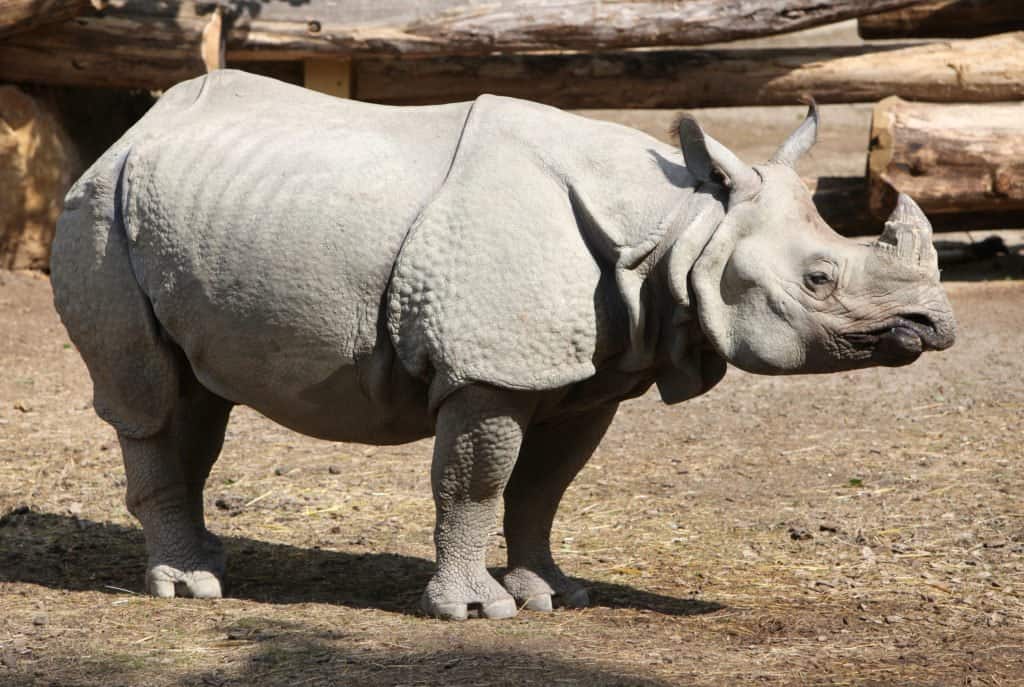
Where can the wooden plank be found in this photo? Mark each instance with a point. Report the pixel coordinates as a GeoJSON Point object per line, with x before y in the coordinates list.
{"type": "Point", "coordinates": [143, 28]}
{"type": "Point", "coordinates": [945, 19]}
{"type": "Point", "coordinates": [981, 70]}
{"type": "Point", "coordinates": [949, 158]}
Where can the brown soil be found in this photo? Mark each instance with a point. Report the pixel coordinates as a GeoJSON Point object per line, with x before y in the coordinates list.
{"type": "Point", "coordinates": [861, 528]}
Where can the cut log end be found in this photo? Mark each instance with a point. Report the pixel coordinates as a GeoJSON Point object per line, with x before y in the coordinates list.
{"type": "Point", "coordinates": [950, 158]}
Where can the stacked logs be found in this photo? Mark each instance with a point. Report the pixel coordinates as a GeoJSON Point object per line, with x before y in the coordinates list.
{"type": "Point", "coordinates": [960, 159]}
{"type": "Point", "coordinates": [952, 138]}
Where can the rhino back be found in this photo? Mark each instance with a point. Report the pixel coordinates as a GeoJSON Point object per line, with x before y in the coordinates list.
{"type": "Point", "coordinates": [264, 221]}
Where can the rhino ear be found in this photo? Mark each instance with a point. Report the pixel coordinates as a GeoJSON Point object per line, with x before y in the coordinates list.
{"type": "Point", "coordinates": [704, 154]}
{"type": "Point", "coordinates": [695, 149]}
{"type": "Point", "coordinates": [801, 140]}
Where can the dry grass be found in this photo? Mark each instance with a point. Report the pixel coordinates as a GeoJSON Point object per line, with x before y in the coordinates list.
{"type": "Point", "coordinates": [862, 528]}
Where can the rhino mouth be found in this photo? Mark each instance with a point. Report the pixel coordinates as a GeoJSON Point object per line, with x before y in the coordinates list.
{"type": "Point", "coordinates": [901, 339]}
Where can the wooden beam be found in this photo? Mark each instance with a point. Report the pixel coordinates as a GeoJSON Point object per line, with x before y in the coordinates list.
{"type": "Point", "coordinates": [945, 19]}
{"type": "Point", "coordinates": [17, 16]}
{"type": "Point", "coordinates": [949, 158]}
{"type": "Point", "coordinates": [319, 28]}
{"type": "Point", "coordinates": [981, 70]}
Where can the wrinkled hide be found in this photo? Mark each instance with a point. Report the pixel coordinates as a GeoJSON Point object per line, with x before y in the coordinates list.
{"type": "Point", "coordinates": [529, 269]}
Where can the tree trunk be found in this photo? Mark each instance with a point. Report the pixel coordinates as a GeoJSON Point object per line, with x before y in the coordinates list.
{"type": "Point", "coordinates": [22, 15]}
{"type": "Point", "coordinates": [949, 158]}
{"type": "Point", "coordinates": [986, 69]}
{"type": "Point", "coordinates": [945, 19]}
{"type": "Point", "coordinates": [152, 32]}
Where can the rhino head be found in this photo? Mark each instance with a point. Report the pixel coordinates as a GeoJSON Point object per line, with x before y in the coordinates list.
{"type": "Point", "coordinates": [778, 291]}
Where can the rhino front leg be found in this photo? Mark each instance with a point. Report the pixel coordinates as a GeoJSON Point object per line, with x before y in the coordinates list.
{"type": "Point", "coordinates": [553, 453]}
{"type": "Point", "coordinates": [166, 474]}
{"type": "Point", "coordinates": [479, 433]}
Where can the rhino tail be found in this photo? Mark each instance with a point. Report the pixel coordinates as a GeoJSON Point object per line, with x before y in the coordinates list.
{"type": "Point", "coordinates": [110, 320]}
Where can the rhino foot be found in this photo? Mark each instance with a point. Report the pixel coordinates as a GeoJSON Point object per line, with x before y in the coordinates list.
{"type": "Point", "coordinates": [453, 599]}
{"type": "Point", "coordinates": [198, 575]}
{"type": "Point", "coordinates": [166, 581]}
{"type": "Point", "coordinates": [544, 589]}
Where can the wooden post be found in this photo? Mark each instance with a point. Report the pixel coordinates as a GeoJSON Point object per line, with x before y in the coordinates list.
{"type": "Point", "coordinates": [333, 77]}
{"type": "Point", "coordinates": [212, 45]}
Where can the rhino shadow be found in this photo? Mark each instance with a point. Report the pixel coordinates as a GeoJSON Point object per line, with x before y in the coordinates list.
{"type": "Point", "coordinates": [286, 653]}
{"type": "Point", "coordinates": [65, 552]}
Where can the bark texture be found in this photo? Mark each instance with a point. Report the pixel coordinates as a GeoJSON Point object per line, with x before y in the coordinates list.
{"type": "Point", "coordinates": [945, 19]}
{"type": "Point", "coordinates": [37, 166]}
{"type": "Point", "coordinates": [23, 15]}
{"type": "Point", "coordinates": [161, 40]}
{"type": "Point", "coordinates": [949, 158]}
{"type": "Point", "coordinates": [981, 70]}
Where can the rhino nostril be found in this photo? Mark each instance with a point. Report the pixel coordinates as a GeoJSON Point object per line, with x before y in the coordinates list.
{"type": "Point", "coordinates": [920, 319]}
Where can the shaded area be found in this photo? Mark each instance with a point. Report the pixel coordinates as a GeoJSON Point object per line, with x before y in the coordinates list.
{"type": "Point", "coordinates": [986, 259]}
{"type": "Point", "coordinates": [65, 552]}
{"type": "Point", "coordinates": [274, 653]}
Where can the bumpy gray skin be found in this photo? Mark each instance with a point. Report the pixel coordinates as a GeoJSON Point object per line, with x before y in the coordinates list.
{"type": "Point", "coordinates": [498, 274]}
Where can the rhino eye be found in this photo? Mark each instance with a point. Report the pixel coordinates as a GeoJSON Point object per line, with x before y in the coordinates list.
{"type": "Point", "coordinates": [818, 279]}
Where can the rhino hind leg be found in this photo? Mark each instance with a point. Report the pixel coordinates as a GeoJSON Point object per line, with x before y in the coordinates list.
{"type": "Point", "coordinates": [552, 454]}
{"type": "Point", "coordinates": [170, 428]}
{"type": "Point", "coordinates": [479, 434]}
{"type": "Point", "coordinates": [166, 474]}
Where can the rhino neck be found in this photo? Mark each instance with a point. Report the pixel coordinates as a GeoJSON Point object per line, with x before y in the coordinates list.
{"type": "Point", "coordinates": [687, 364]}
{"type": "Point", "coordinates": [643, 209]}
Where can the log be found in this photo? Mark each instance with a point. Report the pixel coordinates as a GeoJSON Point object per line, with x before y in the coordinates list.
{"type": "Point", "coordinates": [37, 166]}
{"type": "Point", "coordinates": [843, 203]}
{"type": "Point", "coordinates": [95, 68]}
{"type": "Point", "coordinates": [23, 15]}
{"type": "Point", "coordinates": [981, 70]}
{"type": "Point", "coordinates": [945, 19]}
{"type": "Point", "coordinates": [949, 158]}
{"type": "Point", "coordinates": [153, 33]}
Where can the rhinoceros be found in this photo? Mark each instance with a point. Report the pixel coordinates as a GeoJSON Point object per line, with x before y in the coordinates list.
{"type": "Point", "coordinates": [497, 274]}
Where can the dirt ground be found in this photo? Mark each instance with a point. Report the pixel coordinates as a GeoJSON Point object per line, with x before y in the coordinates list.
{"type": "Point", "coordinates": [862, 528]}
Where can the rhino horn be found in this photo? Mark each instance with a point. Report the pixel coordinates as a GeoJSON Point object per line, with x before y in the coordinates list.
{"type": "Point", "coordinates": [703, 154]}
{"type": "Point", "coordinates": [908, 233]}
{"type": "Point", "coordinates": [800, 141]}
